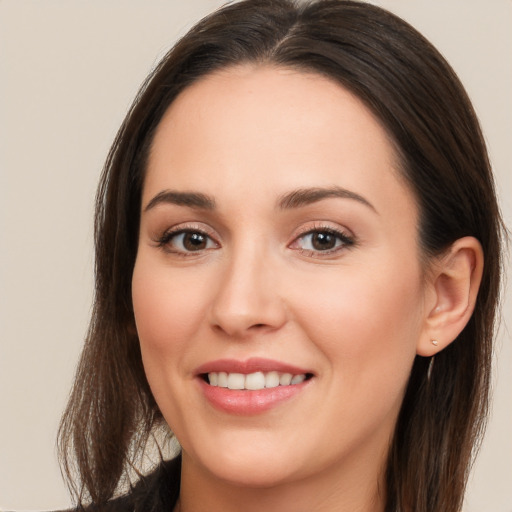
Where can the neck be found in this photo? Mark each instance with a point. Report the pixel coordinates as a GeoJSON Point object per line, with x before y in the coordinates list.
{"type": "Point", "coordinates": [353, 487]}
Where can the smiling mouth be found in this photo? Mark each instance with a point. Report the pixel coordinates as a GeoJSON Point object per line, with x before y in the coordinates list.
{"type": "Point", "coordinates": [252, 386]}
{"type": "Point", "coordinates": [254, 381]}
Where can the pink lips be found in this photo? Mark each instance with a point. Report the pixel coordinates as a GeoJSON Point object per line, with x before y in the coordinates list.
{"type": "Point", "coordinates": [255, 364]}
{"type": "Point", "coordinates": [248, 402]}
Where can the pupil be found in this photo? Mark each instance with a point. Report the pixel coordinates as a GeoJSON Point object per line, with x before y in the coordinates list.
{"type": "Point", "coordinates": [323, 241]}
{"type": "Point", "coordinates": [194, 241]}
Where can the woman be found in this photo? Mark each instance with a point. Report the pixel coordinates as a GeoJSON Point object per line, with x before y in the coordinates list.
{"type": "Point", "coordinates": [291, 233]}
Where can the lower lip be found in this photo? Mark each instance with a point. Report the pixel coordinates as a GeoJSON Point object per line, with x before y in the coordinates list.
{"type": "Point", "coordinates": [248, 402]}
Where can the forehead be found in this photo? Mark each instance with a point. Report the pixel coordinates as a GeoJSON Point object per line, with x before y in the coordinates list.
{"type": "Point", "coordinates": [275, 128]}
{"type": "Point", "coordinates": [242, 100]}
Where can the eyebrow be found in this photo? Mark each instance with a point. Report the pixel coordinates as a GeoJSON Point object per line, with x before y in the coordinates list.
{"type": "Point", "coordinates": [190, 199]}
{"type": "Point", "coordinates": [305, 196]}
{"type": "Point", "coordinates": [294, 199]}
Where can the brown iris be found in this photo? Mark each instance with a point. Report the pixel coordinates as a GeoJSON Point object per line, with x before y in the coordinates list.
{"type": "Point", "coordinates": [194, 241]}
{"type": "Point", "coordinates": [323, 241]}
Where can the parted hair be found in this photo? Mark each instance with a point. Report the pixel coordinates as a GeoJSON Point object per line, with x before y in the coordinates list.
{"type": "Point", "coordinates": [111, 416]}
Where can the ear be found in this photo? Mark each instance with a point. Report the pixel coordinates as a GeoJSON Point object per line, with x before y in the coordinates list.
{"type": "Point", "coordinates": [453, 284]}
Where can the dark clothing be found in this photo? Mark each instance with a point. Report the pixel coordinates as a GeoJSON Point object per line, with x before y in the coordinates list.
{"type": "Point", "coordinates": [156, 492]}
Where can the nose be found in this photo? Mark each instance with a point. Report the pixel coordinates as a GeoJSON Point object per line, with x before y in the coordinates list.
{"type": "Point", "coordinates": [247, 298]}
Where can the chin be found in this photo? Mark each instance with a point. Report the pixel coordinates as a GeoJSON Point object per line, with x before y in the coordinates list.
{"type": "Point", "coordinates": [257, 467]}
{"type": "Point", "coordinates": [252, 475]}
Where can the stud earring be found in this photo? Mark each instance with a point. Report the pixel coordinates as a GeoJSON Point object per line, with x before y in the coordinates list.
{"type": "Point", "coordinates": [435, 343]}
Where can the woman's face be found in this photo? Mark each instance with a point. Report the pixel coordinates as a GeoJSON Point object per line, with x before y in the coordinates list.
{"type": "Point", "coordinates": [277, 241]}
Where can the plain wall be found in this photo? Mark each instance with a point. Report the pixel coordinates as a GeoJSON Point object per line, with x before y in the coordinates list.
{"type": "Point", "coordinates": [68, 72]}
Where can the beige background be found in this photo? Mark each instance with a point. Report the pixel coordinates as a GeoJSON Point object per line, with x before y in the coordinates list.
{"type": "Point", "coordinates": [68, 72]}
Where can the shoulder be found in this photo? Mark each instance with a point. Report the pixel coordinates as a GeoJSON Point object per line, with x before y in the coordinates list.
{"type": "Point", "coordinates": [156, 492]}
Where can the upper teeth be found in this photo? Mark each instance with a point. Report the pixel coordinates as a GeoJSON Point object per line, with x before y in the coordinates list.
{"type": "Point", "coordinates": [253, 381]}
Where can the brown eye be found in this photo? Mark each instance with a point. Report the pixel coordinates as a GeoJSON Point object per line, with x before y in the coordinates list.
{"type": "Point", "coordinates": [323, 241]}
{"type": "Point", "coordinates": [194, 241]}
{"type": "Point", "coordinates": [186, 241]}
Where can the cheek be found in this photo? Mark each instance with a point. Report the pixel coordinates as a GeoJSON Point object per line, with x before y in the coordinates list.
{"type": "Point", "coordinates": [167, 313]}
{"type": "Point", "coordinates": [366, 323]}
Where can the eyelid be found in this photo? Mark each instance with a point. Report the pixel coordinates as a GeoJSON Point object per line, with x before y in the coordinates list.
{"type": "Point", "coordinates": [323, 226]}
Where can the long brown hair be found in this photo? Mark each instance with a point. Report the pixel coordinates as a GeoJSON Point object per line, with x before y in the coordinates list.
{"type": "Point", "coordinates": [419, 100]}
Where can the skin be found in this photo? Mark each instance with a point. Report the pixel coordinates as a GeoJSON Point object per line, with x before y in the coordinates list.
{"type": "Point", "coordinates": [355, 316]}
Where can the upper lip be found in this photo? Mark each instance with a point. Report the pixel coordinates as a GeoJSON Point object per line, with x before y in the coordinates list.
{"type": "Point", "coordinates": [252, 365]}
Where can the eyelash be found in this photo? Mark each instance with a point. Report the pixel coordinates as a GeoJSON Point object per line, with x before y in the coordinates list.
{"type": "Point", "coordinates": [343, 240]}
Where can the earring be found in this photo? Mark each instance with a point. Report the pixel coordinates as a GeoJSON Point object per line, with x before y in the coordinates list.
{"type": "Point", "coordinates": [435, 343]}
